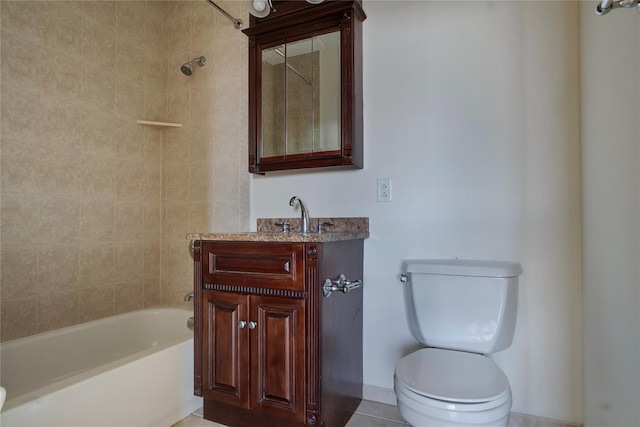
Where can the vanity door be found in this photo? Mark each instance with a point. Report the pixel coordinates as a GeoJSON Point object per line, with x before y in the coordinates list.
{"type": "Point", "coordinates": [254, 353]}
{"type": "Point", "coordinates": [278, 357]}
{"type": "Point", "coordinates": [226, 347]}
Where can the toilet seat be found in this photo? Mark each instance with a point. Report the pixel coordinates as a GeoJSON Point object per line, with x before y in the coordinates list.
{"type": "Point", "coordinates": [452, 376]}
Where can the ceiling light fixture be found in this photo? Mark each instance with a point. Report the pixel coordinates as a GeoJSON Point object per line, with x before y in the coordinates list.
{"type": "Point", "coordinates": [262, 8]}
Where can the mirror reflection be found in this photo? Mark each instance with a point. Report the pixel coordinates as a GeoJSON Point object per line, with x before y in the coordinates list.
{"type": "Point", "coordinates": [301, 97]}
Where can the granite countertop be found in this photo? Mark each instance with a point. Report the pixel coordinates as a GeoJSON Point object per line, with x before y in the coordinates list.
{"type": "Point", "coordinates": [277, 237]}
{"type": "Point", "coordinates": [269, 231]}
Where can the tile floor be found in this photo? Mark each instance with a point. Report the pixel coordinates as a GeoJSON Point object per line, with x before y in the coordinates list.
{"type": "Point", "coordinates": [368, 414]}
{"type": "Point", "coordinates": [374, 414]}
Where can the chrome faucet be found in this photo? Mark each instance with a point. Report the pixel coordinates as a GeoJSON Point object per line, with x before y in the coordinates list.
{"type": "Point", "coordinates": [188, 297]}
{"type": "Point", "coordinates": [304, 222]}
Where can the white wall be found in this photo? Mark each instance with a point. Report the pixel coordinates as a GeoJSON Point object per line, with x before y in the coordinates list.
{"type": "Point", "coordinates": [472, 110]}
{"type": "Point", "coordinates": [610, 62]}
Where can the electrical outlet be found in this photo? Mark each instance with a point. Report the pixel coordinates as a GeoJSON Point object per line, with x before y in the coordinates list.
{"type": "Point", "coordinates": [384, 189]}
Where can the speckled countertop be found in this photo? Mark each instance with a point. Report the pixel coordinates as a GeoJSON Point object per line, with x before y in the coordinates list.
{"type": "Point", "coordinates": [269, 231]}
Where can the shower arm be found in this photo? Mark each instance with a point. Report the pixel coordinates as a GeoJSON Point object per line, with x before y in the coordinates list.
{"type": "Point", "coordinates": [237, 23]}
{"type": "Point", "coordinates": [606, 6]}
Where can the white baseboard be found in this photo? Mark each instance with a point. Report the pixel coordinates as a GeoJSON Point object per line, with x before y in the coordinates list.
{"type": "Point", "coordinates": [517, 419]}
{"type": "Point", "coordinates": [378, 394]}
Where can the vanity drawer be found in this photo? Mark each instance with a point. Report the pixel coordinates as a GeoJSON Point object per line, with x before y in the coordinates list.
{"type": "Point", "coordinates": [254, 265]}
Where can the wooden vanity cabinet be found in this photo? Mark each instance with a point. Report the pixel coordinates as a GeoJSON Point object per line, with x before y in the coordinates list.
{"type": "Point", "coordinates": [271, 350]}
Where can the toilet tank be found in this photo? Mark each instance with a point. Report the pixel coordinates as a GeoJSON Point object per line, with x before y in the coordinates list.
{"type": "Point", "coordinates": [462, 304]}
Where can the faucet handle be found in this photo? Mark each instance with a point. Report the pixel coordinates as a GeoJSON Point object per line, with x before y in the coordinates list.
{"type": "Point", "coordinates": [321, 226]}
{"type": "Point", "coordinates": [285, 226]}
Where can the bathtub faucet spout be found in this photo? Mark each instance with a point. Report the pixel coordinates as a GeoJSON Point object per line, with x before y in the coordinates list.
{"type": "Point", "coordinates": [188, 297]}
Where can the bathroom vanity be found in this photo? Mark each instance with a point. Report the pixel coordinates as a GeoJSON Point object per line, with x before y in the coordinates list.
{"type": "Point", "coordinates": [278, 327]}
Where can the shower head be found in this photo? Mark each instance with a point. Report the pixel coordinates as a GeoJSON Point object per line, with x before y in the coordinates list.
{"type": "Point", "coordinates": [187, 67]}
{"type": "Point", "coordinates": [605, 6]}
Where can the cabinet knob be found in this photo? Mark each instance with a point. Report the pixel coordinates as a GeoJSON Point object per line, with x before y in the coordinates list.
{"type": "Point", "coordinates": [252, 325]}
{"type": "Point", "coordinates": [242, 324]}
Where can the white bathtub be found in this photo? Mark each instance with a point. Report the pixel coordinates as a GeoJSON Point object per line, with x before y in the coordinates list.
{"type": "Point", "coordinates": [130, 370]}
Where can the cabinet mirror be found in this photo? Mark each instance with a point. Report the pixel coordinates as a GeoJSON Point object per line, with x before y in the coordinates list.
{"type": "Point", "coordinates": [301, 97]}
{"type": "Point", "coordinates": [305, 86]}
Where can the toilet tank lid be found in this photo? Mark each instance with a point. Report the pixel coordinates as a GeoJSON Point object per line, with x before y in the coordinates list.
{"type": "Point", "coordinates": [462, 267]}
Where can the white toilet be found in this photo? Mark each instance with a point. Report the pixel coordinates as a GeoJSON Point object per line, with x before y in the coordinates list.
{"type": "Point", "coordinates": [461, 310]}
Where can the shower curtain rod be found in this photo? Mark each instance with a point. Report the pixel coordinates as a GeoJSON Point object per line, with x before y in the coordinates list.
{"type": "Point", "coordinates": [292, 68]}
{"type": "Point", "coordinates": [237, 23]}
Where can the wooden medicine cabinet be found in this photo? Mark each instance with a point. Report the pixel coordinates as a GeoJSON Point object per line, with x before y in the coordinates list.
{"type": "Point", "coordinates": [305, 86]}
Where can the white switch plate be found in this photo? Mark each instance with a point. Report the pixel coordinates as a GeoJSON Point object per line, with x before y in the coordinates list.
{"type": "Point", "coordinates": [384, 189]}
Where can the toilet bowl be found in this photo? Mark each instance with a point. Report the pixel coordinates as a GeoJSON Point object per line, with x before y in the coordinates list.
{"type": "Point", "coordinates": [444, 388]}
{"type": "Point", "coordinates": [460, 310]}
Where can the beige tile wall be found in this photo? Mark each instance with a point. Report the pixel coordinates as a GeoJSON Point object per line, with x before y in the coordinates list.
{"type": "Point", "coordinates": [206, 182]}
{"type": "Point", "coordinates": [94, 207]}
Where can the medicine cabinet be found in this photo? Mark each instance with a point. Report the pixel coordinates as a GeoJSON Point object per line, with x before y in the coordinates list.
{"type": "Point", "coordinates": [305, 86]}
